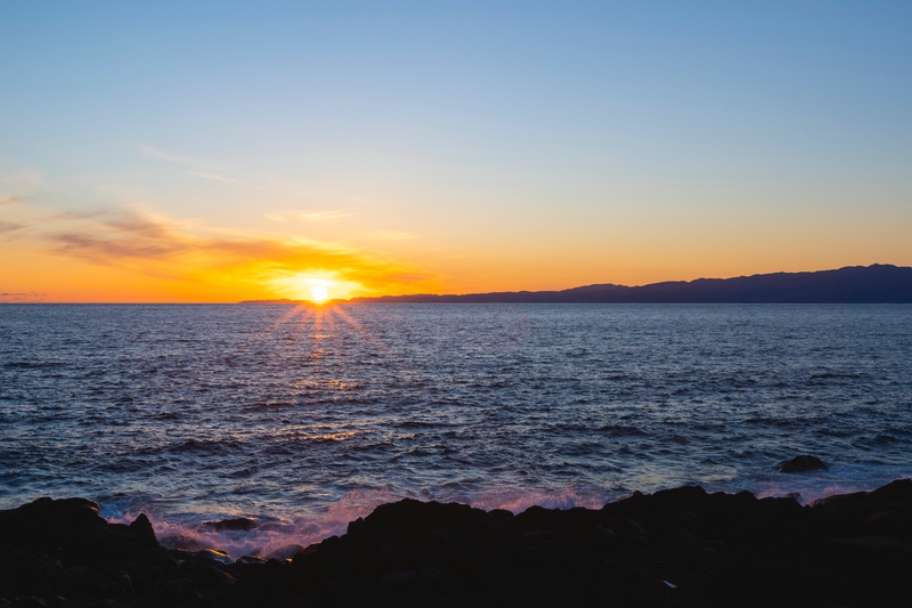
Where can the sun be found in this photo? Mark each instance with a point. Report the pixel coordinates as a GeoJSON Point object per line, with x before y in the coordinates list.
{"type": "Point", "coordinates": [316, 290]}
{"type": "Point", "coordinates": [317, 287]}
{"type": "Point", "coordinates": [319, 293]}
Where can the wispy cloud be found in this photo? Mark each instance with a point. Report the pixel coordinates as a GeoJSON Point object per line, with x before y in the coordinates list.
{"type": "Point", "coordinates": [21, 296]}
{"type": "Point", "coordinates": [190, 165]}
{"type": "Point", "coordinates": [308, 216]}
{"type": "Point", "coordinates": [214, 177]}
{"type": "Point", "coordinates": [72, 215]}
{"type": "Point", "coordinates": [115, 237]}
{"type": "Point", "coordinates": [21, 181]}
{"type": "Point", "coordinates": [15, 186]}
{"type": "Point", "coordinates": [393, 235]}
{"type": "Point", "coordinates": [8, 227]}
{"type": "Point", "coordinates": [139, 226]}
{"type": "Point", "coordinates": [106, 250]}
{"type": "Point", "coordinates": [158, 153]}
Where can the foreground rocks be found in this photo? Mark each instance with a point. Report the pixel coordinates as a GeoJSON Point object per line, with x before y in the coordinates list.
{"type": "Point", "coordinates": [680, 547]}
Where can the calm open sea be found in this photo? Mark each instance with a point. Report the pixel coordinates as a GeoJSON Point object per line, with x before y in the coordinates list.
{"type": "Point", "coordinates": [306, 419]}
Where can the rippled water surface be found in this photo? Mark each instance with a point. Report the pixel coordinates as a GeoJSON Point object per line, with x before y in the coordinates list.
{"type": "Point", "coordinates": [305, 419]}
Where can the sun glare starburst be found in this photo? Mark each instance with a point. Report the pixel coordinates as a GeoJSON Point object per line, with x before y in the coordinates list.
{"type": "Point", "coordinates": [318, 287]}
{"type": "Point", "coordinates": [319, 293]}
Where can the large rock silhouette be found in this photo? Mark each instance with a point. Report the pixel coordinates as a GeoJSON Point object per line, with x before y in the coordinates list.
{"type": "Point", "coordinates": [682, 547]}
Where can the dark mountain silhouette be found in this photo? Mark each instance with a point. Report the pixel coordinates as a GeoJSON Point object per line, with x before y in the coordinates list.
{"type": "Point", "coordinates": [875, 283]}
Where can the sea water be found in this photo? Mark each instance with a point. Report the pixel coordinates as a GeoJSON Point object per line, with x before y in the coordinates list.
{"type": "Point", "coordinates": [305, 418]}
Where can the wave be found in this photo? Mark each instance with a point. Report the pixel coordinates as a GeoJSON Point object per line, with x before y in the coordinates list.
{"type": "Point", "coordinates": [276, 537]}
{"type": "Point", "coordinates": [619, 430]}
{"type": "Point", "coordinates": [273, 537]}
{"type": "Point", "coordinates": [194, 445]}
{"type": "Point", "coordinates": [835, 378]}
{"type": "Point", "coordinates": [280, 538]}
{"type": "Point", "coordinates": [26, 364]}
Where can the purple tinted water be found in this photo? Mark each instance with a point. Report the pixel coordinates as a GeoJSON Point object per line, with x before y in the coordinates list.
{"type": "Point", "coordinates": [306, 420]}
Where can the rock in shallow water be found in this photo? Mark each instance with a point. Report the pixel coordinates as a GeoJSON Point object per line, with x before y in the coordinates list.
{"type": "Point", "coordinates": [802, 464]}
{"type": "Point", "coordinates": [235, 523]}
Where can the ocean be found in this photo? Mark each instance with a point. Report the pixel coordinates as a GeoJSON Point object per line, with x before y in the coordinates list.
{"type": "Point", "coordinates": [305, 418]}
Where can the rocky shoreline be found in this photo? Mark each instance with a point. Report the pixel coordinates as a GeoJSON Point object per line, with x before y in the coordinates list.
{"type": "Point", "coordinates": [682, 547]}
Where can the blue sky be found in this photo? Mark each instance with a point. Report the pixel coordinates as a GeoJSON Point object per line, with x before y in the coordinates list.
{"type": "Point", "coordinates": [504, 142]}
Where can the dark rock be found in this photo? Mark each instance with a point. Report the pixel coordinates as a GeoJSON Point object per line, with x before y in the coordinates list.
{"type": "Point", "coordinates": [401, 577]}
{"type": "Point", "coordinates": [179, 592]}
{"type": "Point", "coordinates": [47, 521]}
{"type": "Point", "coordinates": [142, 528]}
{"type": "Point", "coordinates": [31, 602]}
{"type": "Point", "coordinates": [801, 464]}
{"type": "Point", "coordinates": [237, 523]}
{"type": "Point", "coordinates": [286, 552]}
{"type": "Point", "coordinates": [205, 573]}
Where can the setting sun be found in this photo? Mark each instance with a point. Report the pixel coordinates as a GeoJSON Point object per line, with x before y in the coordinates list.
{"type": "Point", "coordinates": [319, 293]}
{"type": "Point", "coordinates": [317, 287]}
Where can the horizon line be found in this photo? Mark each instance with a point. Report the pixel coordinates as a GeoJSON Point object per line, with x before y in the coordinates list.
{"type": "Point", "coordinates": [391, 298]}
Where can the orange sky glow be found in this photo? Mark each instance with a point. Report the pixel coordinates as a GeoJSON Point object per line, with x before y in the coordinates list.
{"type": "Point", "coordinates": [131, 256]}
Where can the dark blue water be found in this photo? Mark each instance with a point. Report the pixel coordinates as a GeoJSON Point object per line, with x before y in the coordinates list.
{"type": "Point", "coordinates": [307, 419]}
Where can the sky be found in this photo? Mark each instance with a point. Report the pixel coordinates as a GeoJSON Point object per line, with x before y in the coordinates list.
{"type": "Point", "coordinates": [170, 152]}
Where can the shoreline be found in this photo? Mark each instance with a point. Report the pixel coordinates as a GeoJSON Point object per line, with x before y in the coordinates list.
{"type": "Point", "coordinates": [679, 547]}
{"type": "Point", "coordinates": [279, 535]}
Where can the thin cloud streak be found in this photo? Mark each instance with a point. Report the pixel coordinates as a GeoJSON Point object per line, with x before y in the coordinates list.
{"type": "Point", "coordinates": [72, 215]}
{"type": "Point", "coordinates": [304, 216]}
{"type": "Point", "coordinates": [137, 225]}
{"type": "Point", "coordinates": [18, 183]}
{"type": "Point", "coordinates": [158, 153]}
{"type": "Point", "coordinates": [214, 177]}
{"type": "Point", "coordinates": [21, 296]}
{"type": "Point", "coordinates": [9, 227]}
{"type": "Point", "coordinates": [394, 235]}
{"type": "Point", "coordinates": [109, 251]}
{"type": "Point", "coordinates": [192, 166]}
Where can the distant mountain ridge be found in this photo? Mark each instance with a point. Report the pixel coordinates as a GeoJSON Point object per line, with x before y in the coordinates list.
{"type": "Point", "coordinates": [878, 283]}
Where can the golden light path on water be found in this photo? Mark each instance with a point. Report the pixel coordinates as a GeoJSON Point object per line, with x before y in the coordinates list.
{"type": "Point", "coordinates": [323, 319]}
